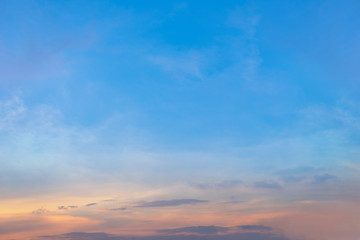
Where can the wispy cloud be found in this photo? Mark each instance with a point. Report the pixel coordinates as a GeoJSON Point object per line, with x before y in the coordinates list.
{"type": "Point", "coordinates": [117, 209]}
{"type": "Point", "coordinates": [170, 203]}
{"type": "Point", "coordinates": [297, 174]}
{"type": "Point", "coordinates": [12, 111]}
{"type": "Point", "coordinates": [182, 66]}
{"type": "Point", "coordinates": [40, 211]}
{"type": "Point", "coordinates": [319, 179]}
{"type": "Point", "coordinates": [66, 207]}
{"type": "Point", "coordinates": [90, 204]}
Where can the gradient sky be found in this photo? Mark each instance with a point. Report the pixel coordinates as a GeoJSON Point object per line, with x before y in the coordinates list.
{"type": "Point", "coordinates": [180, 120]}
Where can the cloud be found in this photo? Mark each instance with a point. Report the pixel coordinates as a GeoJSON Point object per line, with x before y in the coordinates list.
{"type": "Point", "coordinates": [267, 184]}
{"type": "Point", "coordinates": [196, 229]}
{"type": "Point", "coordinates": [305, 173]}
{"type": "Point", "coordinates": [215, 229]}
{"type": "Point", "coordinates": [169, 203]}
{"type": "Point", "coordinates": [117, 209]}
{"type": "Point", "coordinates": [40, 211]}
{"type": "Point", "coordinates": [298, 174]}
{"type": "Point", "coordinates": [81, 235]}
{"type": "Point", "coordinates": [254, 228]}
{"type": "Point", "coordinates": [12, 111]}
{"type": "Point", "coordinates": [245, 19]}
{"type": "Point", "coordinates": [105, 236]}
{"type": "Point", "coordinates": [299, 170]}
{"type": "Point", "coordinates": [90, 204]}
{"type": "Point", "coordinates": [318, 179]}
{"type": "Point", "coordinates": [66, 207]}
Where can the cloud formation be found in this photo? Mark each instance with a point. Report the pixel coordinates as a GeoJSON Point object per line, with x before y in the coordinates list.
{"type": "Point", "coordinates": [254, 228]}
{"type": "Point", "coordinates": [82, 236]}
{"type": "Point", "coordinates": [170, 203]}
{"type": "Point", "coordinates": [318, 179]}
{"type": "Point", "coordinates": [215, 229]}
{"type": "Point", "coordinates": [105, 236]}
{"type": "Point", "coordinates": [40, 211]}
{"type": "Point", "coordinates": [90, 204]}
{"type": "Point", "coordinates": [196, 229]}
{"type": "Point", "coordinates": [66, 207]}
{"type": "Point", "coordinates": [117, 209]}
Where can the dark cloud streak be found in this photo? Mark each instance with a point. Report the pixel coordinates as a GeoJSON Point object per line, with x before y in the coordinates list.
{"type": "Point", "coordinates": [254, 228]}
{"type": "Point", "coordinates": [196, 229]}
{"type": "Point", "coordinates": [90, 204]}
{"type": "Point", "coordinates": [117, 209]}
{"type": "Point", "coordinates": [170, 203]}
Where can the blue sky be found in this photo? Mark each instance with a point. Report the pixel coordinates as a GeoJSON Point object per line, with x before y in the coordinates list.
{"type": "Point", "coordinates": [216, 95]}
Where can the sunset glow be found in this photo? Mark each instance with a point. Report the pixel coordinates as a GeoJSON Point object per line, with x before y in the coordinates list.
{"type": "Point", "coordinates": [179, 120]}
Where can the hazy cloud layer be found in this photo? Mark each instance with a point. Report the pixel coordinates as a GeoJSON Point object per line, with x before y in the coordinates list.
{"type": "Point", "coordinates": [305, 174]}
{"type": "Point", "coordinates": [22, 225]}
{"type": "Point", "coordinates": [215, 229]}
{"type": "Point", "coordinates": [226, 184]}
{"type": "Point", "coordinates": [267, 184]}
{"type": "Point", "coordinates": [105, 236]}
{"type": "Point", "coordinates": [318, 179]}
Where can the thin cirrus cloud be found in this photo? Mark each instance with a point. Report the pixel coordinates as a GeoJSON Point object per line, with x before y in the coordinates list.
{"type": "Point", "coordinates": [181, 67]}
{"type": "Point", "coordinates": [170, 203]}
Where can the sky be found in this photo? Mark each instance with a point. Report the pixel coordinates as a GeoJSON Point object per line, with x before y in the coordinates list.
{"type": "Point", "coordinates": [189, 120]}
